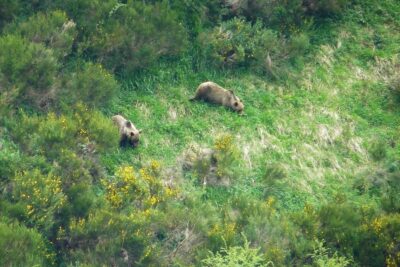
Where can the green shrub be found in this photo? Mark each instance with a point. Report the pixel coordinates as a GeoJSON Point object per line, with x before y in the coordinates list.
{"type": "Point", "coordinates": [84, 132]}
{"type": "Point", "coordinates": [236, 256]}
{"type": "Point", "coordinates": [322, 258]}
{"type": "Point", "coordinates": [377, 149]}
{"type": "Point", "coordinates": [100, 239]}
{"type": "Point", "coordinates": [80, 201]}
{"type": "Point", "coordinates": [237, 43]}
{"type": "Point", "coordinates": [282, 15]}
{"type": "Point", "coordinates": [132, 36]}
{"type": "Point", "coordinates": [8, 9]}
{"type": "Point", "coordinates": [42, 196]}
{"type": "Point", "coordinates": [53, 30]}
{"type": "Point", "coordinates": [339, 226]}
{"type": "Point", "coordinates": [28, 67]}
{"type": "Point", "coordinates": [285, 15]}
{"type": "Point", "coordinates": [379, 239]}
{"type": "Point", "coordinates": [324, 8]}
{"type": "Point", "coordinates": [21, 246]}
{"type": "Point", "coordinates": [90, 84]}
{"type": "Point", "coordinates": [10, 159]}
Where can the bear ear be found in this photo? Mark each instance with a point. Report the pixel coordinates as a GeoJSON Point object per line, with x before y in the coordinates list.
{"type": "Point", "coordinates": [232, 93]}
{"type": "Point", "coordinates": [140, 130]}
{"type": "Point", "coordinates": [128, 124]}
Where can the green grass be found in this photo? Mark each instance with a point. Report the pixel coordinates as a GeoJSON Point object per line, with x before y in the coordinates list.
{"type": "Point", "coordinates": [317, 124]}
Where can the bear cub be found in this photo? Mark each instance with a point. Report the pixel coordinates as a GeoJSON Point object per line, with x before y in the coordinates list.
{"type": "Point", "coordinates": [129, 135]}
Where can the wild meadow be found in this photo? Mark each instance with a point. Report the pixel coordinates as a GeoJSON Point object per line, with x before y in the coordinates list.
{"type": "Point", "coordinates": [309, 175]}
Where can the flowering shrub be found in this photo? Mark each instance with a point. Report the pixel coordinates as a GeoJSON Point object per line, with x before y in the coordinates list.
{"type": "Point", "coordinates": [143, 189]}
{"type": "Point", "coordinates": [124, 239]}
{"type": "Point", "coordinates": [42, 196]}
{"type": "Point", "coordinates": [226, 154]}
{"type": "Point", "coordinates": [380, 238]}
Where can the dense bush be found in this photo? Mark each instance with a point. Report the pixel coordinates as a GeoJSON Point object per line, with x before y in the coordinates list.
{"type": "Point", "coordinates": [285, 15]}
{"type": "Point", "coordinates": [379, 241]}
{"type": "Point", "coordinates": [8, 9]}
{"type": "Point", "coordinates": [21, 246]}
{"type": "Point", "coordinates": [237, 256]}
{"type": "Point", "coordinates": [42, 197]}
{"type": "Point", "coordinates": [105, 238]}
{"type": "Point", "coordinates": [90, 84]}
{"type": "Point", "coordinates": [53, 30]}
{"type": "Point", "coordinates": [29, 68]}
{"type": "Point", "coordinates": [127, 37]}
{"type": "Point", "coordinates": [240, 43]}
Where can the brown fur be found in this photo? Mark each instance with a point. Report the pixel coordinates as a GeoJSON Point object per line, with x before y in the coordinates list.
{"type": "Point", "coordinates": [129, 135]}
{"type": "Point", "coordinates": [213, 93]}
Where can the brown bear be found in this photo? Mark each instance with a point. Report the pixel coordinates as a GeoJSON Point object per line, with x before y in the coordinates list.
{"type": "Point", "coordinates": [213, 93]}
{"type": "Point", "coordinates": [129, 135]}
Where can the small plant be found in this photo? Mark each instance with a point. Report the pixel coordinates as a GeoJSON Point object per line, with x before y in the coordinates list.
{"type": "Point", "coordinates": [236, 256]}
{"type": "Point", "coordinates": [322, 258]}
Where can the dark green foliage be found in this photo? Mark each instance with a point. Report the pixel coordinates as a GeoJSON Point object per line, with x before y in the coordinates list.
{"type": "Point", "coordinates": [8, 9]}
{"type": "Point", "coordinates": [80, 200]}
{"type": "Point", "coordinates": [28, 68]}
{"type": "Point", "coordinates": [118, 232]}
{"type": "Point", "coordinates": [379, 241]}
{"type": "Point", "coordinates": [285, 15]}
{"type": "Point", "coordinates": [132, 36]}
{"type": "Point", "coordinates": [237, 43]}
{"type": "Point", "coordinates": [53, 30]}
{"type": "Point", "coordinates": [21, 246]}
{"type": "Point", "coordinates": [377, 150]}
{"type": "Point", "coordinates": [325, 8]}
{"type": "Point", "coordinates": [339, 226]}
{"type": "Point", "coordinates": [90, 84]}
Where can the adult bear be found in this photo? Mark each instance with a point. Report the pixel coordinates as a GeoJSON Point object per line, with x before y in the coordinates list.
{"type": "Point", "coordinates": [213, 93]}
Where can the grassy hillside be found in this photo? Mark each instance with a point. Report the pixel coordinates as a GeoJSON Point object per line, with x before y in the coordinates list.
{"type": "Point", "coordinates": [308, 176]}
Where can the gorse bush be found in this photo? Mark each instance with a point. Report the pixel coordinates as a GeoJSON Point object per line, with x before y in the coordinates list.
{"type": "Point", "coordinates": [124, 239]}
{"type": "Point", "coordinates": [379, 241]}
{"type": "Point", "coordinates": [42, 197]}
{"type": "Point", "coordinates": [54, 30]}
